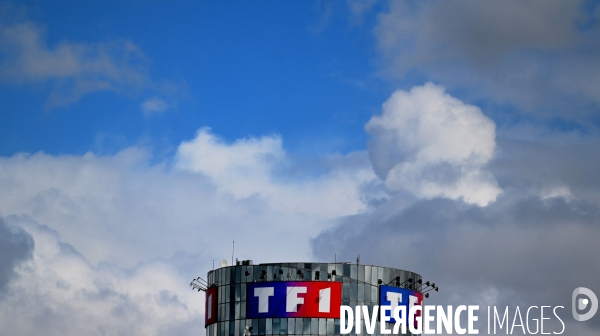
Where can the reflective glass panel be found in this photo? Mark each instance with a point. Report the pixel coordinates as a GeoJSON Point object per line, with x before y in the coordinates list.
{"type": "Point", "coordinates": [268, 326]}
{"type": "Point", "coordinates": [283, 326]}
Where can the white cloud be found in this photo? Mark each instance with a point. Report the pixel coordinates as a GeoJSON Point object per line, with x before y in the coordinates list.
{"type": "Point", "coordinates": [59, 293]}
{"type": "Point", "coordinates": [101, 204]}
{"type": "Point", "coordinates": [247, 168]}
{"type": "Point", "coordinates": [133, 234]}
{"type": "Point", "coordinates": [432, 144]}
{"type": "Point", "coordinates": [242, 168]}
{"type": "Point", "coordinates": [154, 106]}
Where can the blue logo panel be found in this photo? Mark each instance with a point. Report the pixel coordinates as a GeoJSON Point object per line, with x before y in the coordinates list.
{"type": "Point", "coordinates": [394, 296]}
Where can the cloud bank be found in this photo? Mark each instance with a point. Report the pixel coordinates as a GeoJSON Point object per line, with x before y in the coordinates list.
{"type": "Point", "coordinates": [109, 244]}
{"type": "Point", "coordinates": [539, 56]}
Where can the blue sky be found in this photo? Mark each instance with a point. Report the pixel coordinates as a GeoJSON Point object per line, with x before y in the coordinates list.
{"type": "Point", "coordinates": [138, 139]}
{"type": "Point", "coordinates": [305, 71]}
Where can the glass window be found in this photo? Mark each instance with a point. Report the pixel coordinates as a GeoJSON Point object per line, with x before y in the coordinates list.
{"type": "Point", "coordinates": [250, 275]}
{"type": "Point", "coordinates": [374, 275]}
{"type": "Point", "coordinates": [306, 326]}
{"type": "Point", "coordinates": [361, 293]}
{"type": "Point", "coordinates": [237, 310]}
{"type": "Point", "coordinates": [314, 326]}
{"type": "Point", "coordinates": [368, 274]}
{"type": "Point", "coordinates": [238, 292]}
{"type": "Point", "coordinates": [330, 268]}
{"type": "Point", "coordinates": [324, 270]}
{"type": "Point", "coordinates": [236, 329]}
{"type": "Point", "coordinates": [367, 293]}
{"type": "Point", "coordinates": [330, 329]}
{"type": "Point", "coordinates": [339, 268]}
{"type": "Point", "coordinates": [291, 324]}
{"type": "Point", "coordinates": [354, 271]}
{"type": "Point", "coordinates": [283, 329]}
{"type": "Point", "coordinates": [227, 276]}
{"type": "Point", "coordinates": [322, 326]}
{"type": "Point", "coordinates": [255, 326]}
{"type": "Point", "coordinates": [336, 323]}
{"type": "Point", "coordinates": [374, 297]}
{"type": "Point", "coordinates": [238, 274]}
{"type": "Point", "coordinates": [276, 326]}
{"type": "Point", "coordinates": [361, 272]}
{"type": "Point", "coordinates": [243, 292]}
{"type": "Point", "coordinates": [346, 270]}
{"type": "Point", "coordinates": [261, 326]}
{"type": "Point", "coordinates": [299, 326]}
{"type": "Point", "coordinates": [346, 291]}
{"type": "Point", "coordinates": [243, 309]}
{"type": "Point", "coordinates": [353, 290]}
{"type": "Point", "coordinates": [268, 326]}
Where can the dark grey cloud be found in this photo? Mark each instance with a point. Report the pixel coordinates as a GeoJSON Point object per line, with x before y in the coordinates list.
{"type": "Point", "coordinates": [533, 246]}
{"type": "Point", "coordinates": [16, 246]}
{"type": "Point", "coordinates": [541, 56]}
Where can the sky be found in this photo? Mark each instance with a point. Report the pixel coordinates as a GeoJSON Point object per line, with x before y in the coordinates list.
{"type": "Point", "coordinates": [139, 139]}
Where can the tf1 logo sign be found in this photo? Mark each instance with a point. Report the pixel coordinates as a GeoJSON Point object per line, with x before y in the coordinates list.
{"type": "Point", "coordinates": [210, 306]}
{"type": "Point", "coordinates": [394, 297]}
{"type": "Point", "coordinates": [294, 299]}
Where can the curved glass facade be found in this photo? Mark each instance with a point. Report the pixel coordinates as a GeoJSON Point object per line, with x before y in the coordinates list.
{"type": "Point", "coordinates": [359, 287]}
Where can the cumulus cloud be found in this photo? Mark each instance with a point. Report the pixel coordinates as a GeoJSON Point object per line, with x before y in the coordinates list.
{"type": "Point", "coordinates": [432, 144]}
{"type": "Point", "coordinates": [100, 204]}
{"type": "Point", "coordinates": [248, 167]}
{"type": "Point", "coordinates": [117, 239]}
{"type": "Point", "coordinates": [541, 56]}
{"type": "Point", "coordinates": [242, 168]}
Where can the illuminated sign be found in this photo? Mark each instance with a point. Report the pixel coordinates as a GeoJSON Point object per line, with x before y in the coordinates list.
{"type": "Point", "coordinates": [294, 299]}
{"type": "Point", "coordinates": [394, 296]}
{"type": "Point", "coordinates": [210, 306]}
